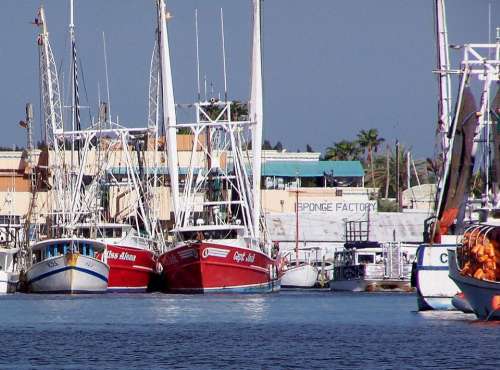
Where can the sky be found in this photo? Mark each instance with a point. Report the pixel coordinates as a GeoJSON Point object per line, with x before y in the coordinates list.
{"type": "Point", "coordinates": [331, 67]}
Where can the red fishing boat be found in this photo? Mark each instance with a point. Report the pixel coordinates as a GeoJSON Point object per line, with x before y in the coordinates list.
{"type": "Point", "coordinates": [131, 259]}
{"type": "Point", "coordinates": [220, 242]}
{"type": "Point", "coordinates": [213, 265]}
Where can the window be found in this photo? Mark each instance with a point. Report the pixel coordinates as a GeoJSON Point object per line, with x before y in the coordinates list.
{"type": "Point", "coordinates": [366, 258]}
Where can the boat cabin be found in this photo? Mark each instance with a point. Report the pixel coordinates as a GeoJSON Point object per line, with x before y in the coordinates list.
{"type": "Point", "coordinates": [8, 259]}
{"type": "Point", "coordinates": [385, 261]}
{"type": "Point", "coordinates": [102, 231]}
{"type": "Point", "coordinates": [209, 232]}
{"type": "Point", "coordinates": [58, 247]}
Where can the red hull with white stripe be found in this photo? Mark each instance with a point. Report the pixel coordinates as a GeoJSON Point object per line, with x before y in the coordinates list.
{"type": "Point", "coordinates": [130, 269]}
{"type": "Point", "coordinates": [202, 267]}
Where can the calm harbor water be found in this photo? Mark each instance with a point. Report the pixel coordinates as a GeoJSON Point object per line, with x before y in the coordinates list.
{"type": "Point", "coordinates": [286, 330]}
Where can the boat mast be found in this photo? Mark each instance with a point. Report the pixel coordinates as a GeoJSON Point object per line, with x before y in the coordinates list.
{"type": "Point", "coordinates": [52, 112]}
{"type": "Point", "coordinates": [444, 80]}
{"type": "Point", "coordinates": [256, 114]}
{"type": "Point", "coordinates": [169, 116]}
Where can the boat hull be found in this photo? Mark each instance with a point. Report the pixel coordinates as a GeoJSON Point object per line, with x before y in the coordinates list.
{"type": "Point", "coordinates": [302, 276]}
{"type": "Point", "coordinates": [369, 285]}
{"type": "Point", "coordinates": [130, 269]}
{"type": "Point", "coordinates": [480, 294]}
{"type": "Point", "coordinates": [435, 289]}
{"type": "Point", "coordinates": [8, 282]}
{"type": "Point", "coordinates": [69, 273]}
{"type": "Point", "coordinates": [205, 267]}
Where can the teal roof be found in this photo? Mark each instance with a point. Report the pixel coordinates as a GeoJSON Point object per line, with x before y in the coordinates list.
{"type": "Point", "coordinates": [312, 168]}
{"type": "Point", "coordinates": [160, 171]}
{"type": "Point", "coordinates": [287, 169]}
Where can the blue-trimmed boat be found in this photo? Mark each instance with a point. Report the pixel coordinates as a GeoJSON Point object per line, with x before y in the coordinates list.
{"type": "Point", "coordinates": [68, 265]}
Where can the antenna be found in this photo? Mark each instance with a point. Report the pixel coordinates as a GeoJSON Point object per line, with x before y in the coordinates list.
{"type": "Point", "coordinates": [205, 82]}
{"type": "Point", "coordinates": [107, 77]}
{"type": "Point", "coordinates": [197, 53]}
{"type": "Point", "coordinates": [223, 52]}
{"type": "Point", "coordinates": [489, 28]}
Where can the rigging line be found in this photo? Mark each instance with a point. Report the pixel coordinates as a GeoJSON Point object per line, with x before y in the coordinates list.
{"type": "Point", "coordinates": [85, 89]}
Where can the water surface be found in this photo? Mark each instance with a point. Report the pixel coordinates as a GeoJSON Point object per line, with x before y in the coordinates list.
{"type": "Point", "coordinates": [286, 330]}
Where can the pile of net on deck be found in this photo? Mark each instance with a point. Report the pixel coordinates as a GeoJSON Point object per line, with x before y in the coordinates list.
{"type": "Point", "coordinates": [480, 254]}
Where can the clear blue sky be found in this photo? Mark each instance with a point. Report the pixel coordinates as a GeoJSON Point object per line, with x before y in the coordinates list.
{"type": "Point", "coordinates": [332, 67]}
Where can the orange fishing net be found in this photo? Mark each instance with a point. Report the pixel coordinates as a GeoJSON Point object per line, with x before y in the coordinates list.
{"type": "Point", "coordinates": [481, 256]}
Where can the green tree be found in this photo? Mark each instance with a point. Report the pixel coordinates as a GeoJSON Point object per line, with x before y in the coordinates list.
{"type": "Point", "coordinates": [369, 142]}
{"type": "Point", "coordinates": [383, 176]}
{"type": "Point", "coordinates": [278, 146]}
{"type": "Point", "coordinates": [343, 151]}
{"type": "Point", "coordinates": [266, 145]}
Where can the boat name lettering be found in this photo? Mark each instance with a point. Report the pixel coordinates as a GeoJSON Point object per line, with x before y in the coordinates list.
{"type": "Point", "coordinates": [120, 256]}
{"type": "Point", "coordinates": [170, 260]}
{"type": "Point", "coordinates": [244, 257]}
{"type": "Point", "coordinates": [443, 257]}
{"type": "Point", "coordinates": [52, 264]}
{"type": "Point", "coordinates": [326, 206]}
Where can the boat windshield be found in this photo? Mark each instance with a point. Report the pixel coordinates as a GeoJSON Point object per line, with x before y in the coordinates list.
{"type": "Point", "coordinates": [208, 234]}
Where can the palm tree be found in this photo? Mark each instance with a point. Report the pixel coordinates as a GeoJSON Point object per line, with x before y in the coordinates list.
{"type": "Point", "coordinates": [369, 142]}
{"type": "Point", "coordinates": [381, 174]}
{"type": "Point", "coordinates": [343, 151]}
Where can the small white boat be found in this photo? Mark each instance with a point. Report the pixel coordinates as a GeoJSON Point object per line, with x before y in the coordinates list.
{"type": "Point", "coordinates": [9, 276]}
{"type": "Point", "coordinates": [68, 265]}
{"type": "Point", "coordinates": [302, 276]}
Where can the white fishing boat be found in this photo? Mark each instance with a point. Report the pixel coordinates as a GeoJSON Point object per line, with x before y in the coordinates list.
{"type": "Point", "coordinates": [68, 265]}
{"type": "Point", "coordinates": [435, 289]}
{"type": "Point", "coordinates": [60, 262]}
{"type": "Point", "coordinates": [458, 141]}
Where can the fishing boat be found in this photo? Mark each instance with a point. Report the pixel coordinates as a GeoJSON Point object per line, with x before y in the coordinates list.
{"type": "Point", "coordinates": [60, 262]}
{"type": "Point", "coordinates": [371, 267]}
{"type": "Point", "coordinates": [435, 290]}
{"type": "Point", "coordinates": [68, 265]}
{"type": "Point", "coordinates": [81, 207]}
{"type": "Point", "coordinates": [473, 267]}
{"type": "Point", "coordinates": [220, 243]}
{"type": "Point", "coordinates": [430, 277]}
{"type": "Point", "coordinates": [131, 258]}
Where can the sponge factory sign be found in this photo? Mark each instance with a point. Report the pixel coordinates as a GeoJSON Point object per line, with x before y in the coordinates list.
{"type": "Point", "coordinates": [339, 206]}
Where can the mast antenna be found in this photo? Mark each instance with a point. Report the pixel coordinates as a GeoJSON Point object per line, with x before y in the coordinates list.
{"type": "Point", "coordinates": [223, 52]}
{"type": "Point", "coordinates": [107, 76]}
{"type": "Point", "coordinates": [205, 83]}
{"type": "Point", "coordinates": [197, 53]}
